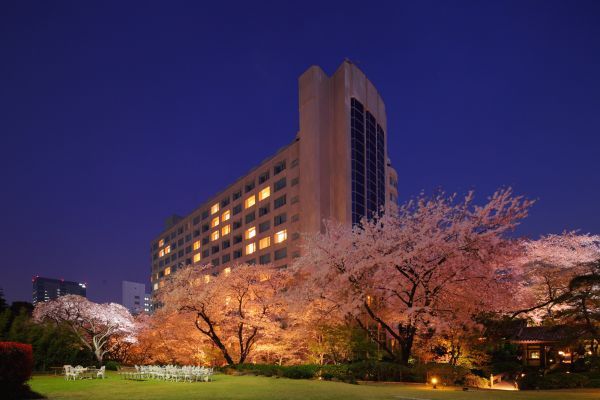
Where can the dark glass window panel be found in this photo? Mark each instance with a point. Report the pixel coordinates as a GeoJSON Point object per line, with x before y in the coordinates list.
{"type": "Point", "coordinates": [281, 253]}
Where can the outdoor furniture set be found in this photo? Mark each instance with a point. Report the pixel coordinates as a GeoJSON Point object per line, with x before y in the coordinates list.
{"type": "Point", "coordinates": [169, 373]}
{"type": "Point", "coordinates": [80, 372]}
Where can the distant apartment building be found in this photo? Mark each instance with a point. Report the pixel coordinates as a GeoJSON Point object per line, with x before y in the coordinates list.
{"type": "Point", "coordinates": [336, 168]}
{"type": "Point", "coordinates": [45, 289]}
{"type": "Point", "coordinates": [135, 298]}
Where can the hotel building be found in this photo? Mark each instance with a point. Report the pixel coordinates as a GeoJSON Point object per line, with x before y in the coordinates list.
{"type": "Point", "coordinates": [335, 168]}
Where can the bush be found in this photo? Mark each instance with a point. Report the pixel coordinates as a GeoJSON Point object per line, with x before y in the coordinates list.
{"type": "Point", "coordinates": [338, 372]}
{"type": "Point", "coordinates": [260, 369]}
{"type": "Point", "coordinates": [448, 374]}
{"type": "Point", "coordinates": [368, 370]}
{"type": "Point", "coordinates": [593, 383]}
{"type": "Point", "coordinates": [472, 380]}
{"type": "Point", "coordinates": [16, 364]}
{"type": "Point", "coordinates": [307, 371]}
{"type": "Point", "coordinates": [385, 371]}
{"type": "Point", "coordinates": [559, 380]}
{"type": "Point", "coordinates": [111, 366]}
{"type": "Point", "coordinates": [300, 371]}
{"type": "Point", "coordinates": [509, 367]}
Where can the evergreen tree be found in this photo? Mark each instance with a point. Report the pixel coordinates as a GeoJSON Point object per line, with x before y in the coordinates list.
{"type": "Point", "coordinates": [3, 304]}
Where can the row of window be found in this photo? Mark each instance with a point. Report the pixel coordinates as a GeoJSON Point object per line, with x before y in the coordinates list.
{"type": "Point", "coordinates": [279, 202]}
{"type": "Point", "coordinates": [226, 243]}
{"type": "Point", "coordinates": [249, 186]}
{"type": "Point", "coordinates": [278, 237]}
{"type": "Point", "coordinates": [226, 230]}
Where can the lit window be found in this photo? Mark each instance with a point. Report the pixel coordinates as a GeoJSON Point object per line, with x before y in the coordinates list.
{"type": "Point", "coordinates": [161, 253]}
{"type": "Point", "coordinates": [206, 278]}
{"type": "Point", "coordinates": [281, 236]}
{"type": "Point", "coordinates": [197, 257]}
{"type": "Point", "coordinates": [250, 201]}
{"type": "Point", "coordinates": [196, 245]}
{"type": "Point", "coordinates": [168, 271]}
{"type": "Point", "coordinates": [227, 271]}
{"type": "Point", "coordinates": [161, 242]}
{"type": "Point", "coordinates": [264, 242]}
{"type": "Point", "coordinates": [250, 248]}
{"type": "Point", "coordinates": [263, 194]}
{"type": "Point", "coordinates": [214, 236]}
{"type": "Point", "coordinates": [226, 215]}
{"type": "Point", "coordinates": [167, 249]}
{"type": "Point", "coordinates": [250, 232]}
{"type": "Point", "coordinates": [225, 230]}
{"type": "Point", "coordinates": [214, 209]}
{"type": "Point", "coordinates": [214, 222]}
{"type": "Point", "coordinates": [156, 286]}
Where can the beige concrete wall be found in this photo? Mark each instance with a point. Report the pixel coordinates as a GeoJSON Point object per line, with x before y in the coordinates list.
{"type": "Point", "coordinates": [325, 140]}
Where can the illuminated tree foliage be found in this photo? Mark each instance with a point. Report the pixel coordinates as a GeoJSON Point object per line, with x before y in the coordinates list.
{"type": "Point", "coordinates": [235, 310]}
{"type": "Point", "coordinates": [549, 264]}
{"type": "Point", "coordinates": [99, 327]}
{"type": "Point", "coordinates": [419, 270]}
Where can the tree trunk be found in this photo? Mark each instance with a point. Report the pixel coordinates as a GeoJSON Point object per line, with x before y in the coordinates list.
{"type": "Point", "coordinates": [407, 345]}
{"type": "Point", "coordinates": [99, 356]}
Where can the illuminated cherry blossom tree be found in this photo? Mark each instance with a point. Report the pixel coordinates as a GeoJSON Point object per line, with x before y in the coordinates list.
{"type": "Point", "coordinates": [437, 259]}
{"type": "Point", "coordinates": [235, 309]}
{"type": "Point", "coordinates": [99, 326]}
{"type": "Point", "coordinates": [550, 264]}
{"type": "Point", "coordinates": [171, 339]}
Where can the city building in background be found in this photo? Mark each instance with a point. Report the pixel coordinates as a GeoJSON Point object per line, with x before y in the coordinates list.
{"type": "Point", "coordinates": [335, 168]}
{"type": "Point", "coordinates": [135, 298]}
{"type": "Point", "coordinates": [45, 289]}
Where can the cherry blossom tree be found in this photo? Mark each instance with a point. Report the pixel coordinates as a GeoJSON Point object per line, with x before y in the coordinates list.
{"type": "Point", "coordinates": [436, 259]}
{"type": "Point", "coordinates": [98, 326]}
{"type": "Point", "coordinates": [235, 309]}
{"type": "Point", "coordinates": [549, 265]}
{"type": "Point", "coordinates": [582, 304]}
{"type": "Point", "coordinates": [172, 339]}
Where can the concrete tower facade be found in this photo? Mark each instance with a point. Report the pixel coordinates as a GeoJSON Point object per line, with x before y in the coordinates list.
{"type": "Point", "coordinates": [336, 168]}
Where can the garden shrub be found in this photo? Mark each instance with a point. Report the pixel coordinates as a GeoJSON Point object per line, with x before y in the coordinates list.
{"type": "Point", "coordinates": [593, 383]}
{"type": "Point", "coordinates": [560, 380]}
{"type": "Point", "coordinates": [472, 380]}
{"type": "Point", "coordinates": [448, 374]}
{"type": "Point", "coordinates": [509, 367]}
{"type": "Point", "coordinates": [369, 370]}
{"type": "Point", "coordinates": [338, 372]}
{"type": "Point", "coordinates": [111, 366]}
{"type": "Point", "coordinates": [260, 369]}
{"type": "Point", "coordinates": [378, 371]}
{"type": "Point", "coordinates": [300, 371]}
{"type": "Point", "coordinates": [16, 364]}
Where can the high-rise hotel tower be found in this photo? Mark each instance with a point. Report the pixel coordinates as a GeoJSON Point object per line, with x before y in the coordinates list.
{"type": "Point", "coordinates": [336, 168]}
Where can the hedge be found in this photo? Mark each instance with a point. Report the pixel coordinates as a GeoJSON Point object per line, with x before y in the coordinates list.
{"type": "Point", "coordinates": [560, 380]}
{"type": "Point", "coordinates": [16, 364]}
{"type": "Point", "coordinates": [369, 371]}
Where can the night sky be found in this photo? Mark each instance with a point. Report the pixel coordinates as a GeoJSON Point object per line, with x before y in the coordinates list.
{"type": "Point", "coordinates": [116, 114]}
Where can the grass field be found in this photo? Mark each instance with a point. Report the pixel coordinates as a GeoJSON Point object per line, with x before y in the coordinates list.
{"type": "Point", "coordinates": [263, 388]}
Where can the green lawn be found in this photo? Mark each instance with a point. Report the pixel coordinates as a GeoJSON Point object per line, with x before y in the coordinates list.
{"type": "Point", "coordinates": [263, 388]}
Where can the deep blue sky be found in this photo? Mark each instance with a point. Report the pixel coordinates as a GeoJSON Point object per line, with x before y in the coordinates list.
{"type": "Point", "coordinates": [115, 114]}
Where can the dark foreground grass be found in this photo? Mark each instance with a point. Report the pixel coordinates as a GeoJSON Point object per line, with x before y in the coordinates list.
{"type": "Point", "coordinates": [263, 388]}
